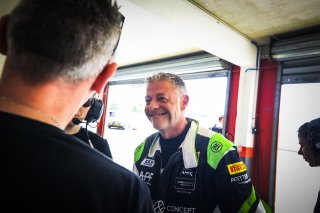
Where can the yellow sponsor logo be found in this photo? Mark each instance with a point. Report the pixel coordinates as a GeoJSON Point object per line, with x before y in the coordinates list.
{"type": "Point", "coordinates": [236, 168]}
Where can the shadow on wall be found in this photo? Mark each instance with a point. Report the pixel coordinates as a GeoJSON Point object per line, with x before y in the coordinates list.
{"type": "Point", "coordinates": [2, 58]}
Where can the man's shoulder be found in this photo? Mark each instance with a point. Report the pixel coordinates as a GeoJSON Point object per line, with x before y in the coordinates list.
{"type": "Point", "coordinates": [96, 136]}
{"type": "Point", "coordinates": [148, 140]}
{"type": "Point", "coordinates": [83, 131]}
{"type": "Point", "coordinates": [216, 147]}
{"type": "Point", "coordinates": [144, 146]}
{"type": "Point", "coordinates": [58, 151]}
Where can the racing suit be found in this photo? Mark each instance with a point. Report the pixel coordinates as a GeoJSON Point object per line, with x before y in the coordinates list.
{"type": "Point", "coordinates": [204, 173]}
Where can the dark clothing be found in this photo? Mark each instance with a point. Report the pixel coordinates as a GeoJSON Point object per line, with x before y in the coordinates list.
{"type": "Point", "coordinates": [203, 173]}
{"type": "Point", "coordinates": [97, 141]}
{"type": "Point", "coordinates": [317, 207]}
{"type": "Point", "coordinates": [45, 170]}
{"type": "Point", "coordinates": [216, 128]}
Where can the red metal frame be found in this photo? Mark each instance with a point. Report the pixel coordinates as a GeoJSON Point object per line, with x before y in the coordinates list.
{"type": "Point", "coordinates": [264, 123]}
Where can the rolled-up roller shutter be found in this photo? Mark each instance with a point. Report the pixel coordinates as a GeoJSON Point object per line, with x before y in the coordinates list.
{"type": "Point", "coordinates": [296, 48]}
{"type": "Point", "coordinates": [199, 64]}
{"type": "Point", "coordinates": [299, 58]}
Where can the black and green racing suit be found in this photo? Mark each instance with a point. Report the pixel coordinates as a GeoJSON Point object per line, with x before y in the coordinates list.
{"type": "Point", "coordinates": [205, 174]}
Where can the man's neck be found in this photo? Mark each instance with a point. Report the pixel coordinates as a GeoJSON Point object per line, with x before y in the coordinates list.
{"type": "Point", "coordinates": [174, 132]}
{"type": "Point", "coordinates": [54, 103]}
{"type": "Point", "coordinates": [17, 107]}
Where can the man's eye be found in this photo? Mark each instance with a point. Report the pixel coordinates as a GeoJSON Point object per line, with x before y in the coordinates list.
{"type": "Point", "coordinates": [163, 99]}
{"type": "Point", "coordinates": [148, 101]}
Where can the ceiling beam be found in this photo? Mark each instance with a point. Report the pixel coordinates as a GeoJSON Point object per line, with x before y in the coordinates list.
{"type": "Point", "coordinates": [202, 30]}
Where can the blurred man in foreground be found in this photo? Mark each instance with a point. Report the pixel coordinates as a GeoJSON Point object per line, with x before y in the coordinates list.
{"type": "Point", "coordinates": [58, 54]}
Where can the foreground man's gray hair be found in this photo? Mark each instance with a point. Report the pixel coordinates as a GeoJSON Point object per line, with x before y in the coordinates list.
{"type": "Point", "coordinates": [67, 39]}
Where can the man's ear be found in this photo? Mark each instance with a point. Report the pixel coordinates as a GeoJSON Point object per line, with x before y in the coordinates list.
{"type": "Point", "coordinates": [185, 101]}
{"type": "Point", "coordinates": [3, 34]}
{"type": "Point", "coordinates": [102, 79]}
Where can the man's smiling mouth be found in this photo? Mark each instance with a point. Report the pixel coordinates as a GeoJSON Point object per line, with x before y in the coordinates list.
{"type": "Point", "coordinates": [156, 114]}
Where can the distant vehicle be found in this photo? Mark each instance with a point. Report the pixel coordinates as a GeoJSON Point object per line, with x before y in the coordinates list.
{"type": "Point", "coordinates": [128, 120]}
{"type": "Point", "coordinates": [116, 122]}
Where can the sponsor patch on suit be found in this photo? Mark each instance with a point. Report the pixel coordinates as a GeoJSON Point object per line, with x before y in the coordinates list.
{"type": "Point", "coordinates": [186, 178]}
{"type": "Point", "coordinates": [147, 162]}
{"type": "Point", "coordinates": [236, 168]}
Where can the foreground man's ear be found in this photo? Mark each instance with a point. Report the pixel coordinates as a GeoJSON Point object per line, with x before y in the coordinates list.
{"type": "Point", "coordinates": [185, 102]}
{"type": "Point", "coordinates": [102, 79]}
{"type": "Point", "coordinates": [3, 34]}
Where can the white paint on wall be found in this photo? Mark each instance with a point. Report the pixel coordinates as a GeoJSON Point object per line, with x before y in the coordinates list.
{"type": "Point", "coordinates": [297, 184]}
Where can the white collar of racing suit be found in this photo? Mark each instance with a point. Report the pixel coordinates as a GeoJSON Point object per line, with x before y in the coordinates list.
{"type": "Point", "coordinates": [189, 156]}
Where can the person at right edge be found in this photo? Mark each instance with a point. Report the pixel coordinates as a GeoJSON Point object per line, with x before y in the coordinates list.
{"type": "Point", "coordinates": [186, 167]}
{"type": "Point", "coordinates": [309, 140]}
{"type": "Point", "coordinates": [59, 53]}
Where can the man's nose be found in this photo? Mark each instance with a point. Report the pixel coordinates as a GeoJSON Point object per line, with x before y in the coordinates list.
{"type": "Point", "coordinates": [299, 151]}
{"type": "Point", "coordinates": [153, 104]}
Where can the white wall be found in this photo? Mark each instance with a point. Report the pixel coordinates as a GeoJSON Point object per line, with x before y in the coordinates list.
{"type": "Point", "coordinates": [297, 184]}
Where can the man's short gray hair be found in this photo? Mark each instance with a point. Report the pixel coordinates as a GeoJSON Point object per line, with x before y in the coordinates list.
{"type": "Point", "coordinates": [176, 81]}
{"type": "Point", "coordinates": [68, 39]}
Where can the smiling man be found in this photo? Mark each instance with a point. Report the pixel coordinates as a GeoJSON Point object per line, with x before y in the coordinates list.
{"type": "Point", "coordinates": [186, 167]}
